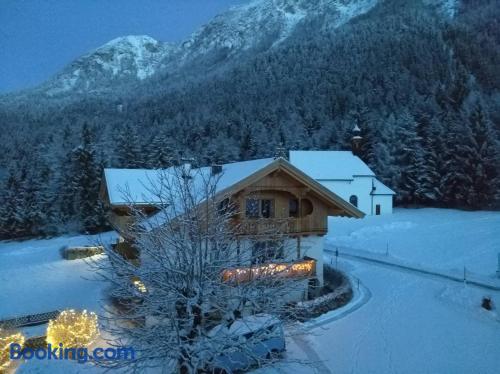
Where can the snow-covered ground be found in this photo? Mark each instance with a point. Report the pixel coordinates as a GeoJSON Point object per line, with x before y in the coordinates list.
{"type": "Point", "coordinates": [406, 322]}
{"type": "Point", "coordinates": [435, 238]}
{"type": "Point", "coordinates": [34, 278]}
{"type": "Point", "coordinates": [412, 323]}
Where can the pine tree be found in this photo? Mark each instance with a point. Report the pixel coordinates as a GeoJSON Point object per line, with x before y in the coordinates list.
{"type": "Point", "coordinates": [481, 159]}
{"type": "Point", "coordinates": [408, 159]}
{"type": "Point", "coordinates": [430, 134]}
{"type": "Point", "coordinates": [455, 180]}
{"type": "Point", "coordinates": [128, 148]}
{"type": "Point", "coordinates": [85, 178]}
{"type": "Point", "coordinates": [161, 153]}
{"type": "Point", "coordinates": [10, 220]}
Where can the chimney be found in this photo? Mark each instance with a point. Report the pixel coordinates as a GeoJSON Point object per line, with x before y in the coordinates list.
{"type": "Point", "coordinates": [356, 141]}
{"type": "Point", "coordinates": [186, 167]}
{"type": "Point", "coordinates": [216, 169]}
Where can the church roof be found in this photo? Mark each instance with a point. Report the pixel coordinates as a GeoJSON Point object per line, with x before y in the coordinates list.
{"type": "Point", "coordinates": [330, 165]}
{"type": "Point", "coordinates": [381, 189]}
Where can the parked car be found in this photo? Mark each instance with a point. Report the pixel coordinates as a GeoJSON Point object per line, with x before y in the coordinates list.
{"type": "Point", "coordinates": [247, 342]}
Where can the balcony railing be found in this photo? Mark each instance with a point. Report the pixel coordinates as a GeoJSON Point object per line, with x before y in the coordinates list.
{"type": "Point", "coordinates": [298, 269]}
{"type": "Point", "coordinates": [263, 226]}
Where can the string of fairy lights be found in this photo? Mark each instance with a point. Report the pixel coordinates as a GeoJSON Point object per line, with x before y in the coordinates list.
{"type": "Point", "coordinates": [71, 328]}
{"type": "Point", "coordinates": [6, 339]}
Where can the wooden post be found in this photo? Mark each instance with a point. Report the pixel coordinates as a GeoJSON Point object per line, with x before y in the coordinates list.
{"type": "Point", "coordinates": [298, 247]}
{"type": "Point", "coordinates": [498, 271]}
{"type": "Point", "coordinates": [238, 252]}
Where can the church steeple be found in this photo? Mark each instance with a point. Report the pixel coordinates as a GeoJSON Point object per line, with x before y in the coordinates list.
{"type": "Point", "coordinates": [356, 141]}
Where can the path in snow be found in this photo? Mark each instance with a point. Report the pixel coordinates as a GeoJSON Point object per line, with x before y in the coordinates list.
{"type": "Point", "coordinates": [411, 324]}
{"type": "Point", "coordinates": [485, 283]}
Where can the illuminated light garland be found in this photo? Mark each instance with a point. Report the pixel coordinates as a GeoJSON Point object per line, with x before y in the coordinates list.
{"type": "Point", "coordinates": [73, 329]}
{"type": "Point", "coordinates": [298, 269]}
{"type": "Point", "coordinates": [141, 287]}
{"type": "Point", "coordinates": [6, 339]}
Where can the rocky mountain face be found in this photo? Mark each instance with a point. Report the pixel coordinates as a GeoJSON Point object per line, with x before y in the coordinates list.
{"type": "Point", "coordinates": [117, 62]}
{"type": "Point", "coordinates": [244, 30]}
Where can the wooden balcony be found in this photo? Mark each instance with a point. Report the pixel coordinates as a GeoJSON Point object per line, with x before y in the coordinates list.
{"type": "Point", "coordinates": [289, 226]}
{"type": "Point", "coordinates": [298, 269]}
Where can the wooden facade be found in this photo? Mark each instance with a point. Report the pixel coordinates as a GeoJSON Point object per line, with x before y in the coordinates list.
{"type": "Point", "coordinates": [278, 196]}
{"type": "Point", "coordinates": [277, 199]}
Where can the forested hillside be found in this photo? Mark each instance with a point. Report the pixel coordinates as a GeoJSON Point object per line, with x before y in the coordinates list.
{"type": "Point", "coordinates": [421, 81]}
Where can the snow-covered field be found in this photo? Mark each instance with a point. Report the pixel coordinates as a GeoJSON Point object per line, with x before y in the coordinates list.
{"type": "Point", "coordinates": [435, 238]}
{"type": "Point", "coordinates": [407, 322]}
{"type": "Point", "coordinates": [34, 278]}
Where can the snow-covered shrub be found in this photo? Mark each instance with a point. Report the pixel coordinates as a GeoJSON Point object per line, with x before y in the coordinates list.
{"type": "Point", "coordinates": [74, 253]}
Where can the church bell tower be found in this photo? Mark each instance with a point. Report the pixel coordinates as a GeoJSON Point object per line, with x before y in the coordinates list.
{"type": "Point", "coordinates": [356, 141]}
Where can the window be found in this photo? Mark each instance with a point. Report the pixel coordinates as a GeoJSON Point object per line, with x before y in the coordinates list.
{"type": "Point", "coordinates": [223, 207]}
{"type": "Point", "coordinates": [266, 208]}
{"type": "Point", "coordinates": [354, 200]}
{"type": "Point", "coordinates": [265, 251]}
{"type": "Point", "coordinates": [256, 208]}
{"type": "Point", "coordinates": [293, 208]}
{"type": "Point", "coordinates": [306, 207]}
{"type": "Point", "coordinates": [252, 208]}
{"type": "Point", "coordinates": [377, 209]}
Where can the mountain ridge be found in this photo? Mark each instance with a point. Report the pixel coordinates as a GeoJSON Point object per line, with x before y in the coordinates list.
{"type": "Point", "coordinates": [256, 26]}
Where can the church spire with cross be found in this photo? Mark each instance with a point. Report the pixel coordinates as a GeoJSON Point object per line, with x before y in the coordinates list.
{"type": "Point", "coordinates": [280, 152]}
{"type": "Point", "coordinates": [356, 140]}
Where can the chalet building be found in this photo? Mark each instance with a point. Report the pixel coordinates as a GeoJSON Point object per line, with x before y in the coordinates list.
{"type": "Point", "coordinates": [345, 174]}
{"type": "Point", "coordinates": [269, 193]}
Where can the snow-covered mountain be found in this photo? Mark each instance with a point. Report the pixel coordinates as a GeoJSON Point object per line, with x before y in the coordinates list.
{"type": "Point", "coordinates": [118, 61]}
{"type": "Point", "coordinates": [242, 31]}
{"type": "Point", "coordinates": [263, 24]}
{"type": "Point", "coordinates": [255, 26]}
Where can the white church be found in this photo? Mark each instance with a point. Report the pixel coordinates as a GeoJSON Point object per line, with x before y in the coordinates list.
{"type": "Point", "coordinates": [348, 176]}
{"type": "Point", "coordinates": [345, 174]}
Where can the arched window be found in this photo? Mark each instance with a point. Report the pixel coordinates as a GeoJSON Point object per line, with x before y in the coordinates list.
{"type": "Point", "coordinates": [354, 200]}
{"type": "Point", "coordinates": [306, 207]}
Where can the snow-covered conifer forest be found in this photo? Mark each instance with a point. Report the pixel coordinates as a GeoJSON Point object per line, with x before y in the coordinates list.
{"type": "Point", "coordinates": [421, 78]}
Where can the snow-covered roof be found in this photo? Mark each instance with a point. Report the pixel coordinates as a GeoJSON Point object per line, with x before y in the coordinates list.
{"type": "Point", "coordinates": [330, 165]}
{"type": "Point", "coordinates": [381, 189]}
{"type": "Point", "coordinates": [140, 186]}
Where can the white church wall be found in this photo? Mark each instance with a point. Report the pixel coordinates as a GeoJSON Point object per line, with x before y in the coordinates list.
{"type": "Point", "coordinates": [362, 188]}
{"type": "Point", "coordinates": [385, 202]}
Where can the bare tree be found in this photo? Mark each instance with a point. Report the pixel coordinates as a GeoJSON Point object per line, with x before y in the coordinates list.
{"type": "Point", "coordinates": [196, 277]}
